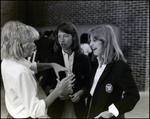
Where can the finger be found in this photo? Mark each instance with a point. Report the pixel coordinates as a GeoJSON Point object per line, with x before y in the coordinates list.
{"type": "Point", "coordinates": [70, 85]}
{"type": "Point", "coordinates": [72, 100]}
{"type": "Point", "coordinates": [70, 77]}
{"type": "Point", "coordinates": [70, 82]}
{"type": "Point", "coordinates": [57, 79]}
{"type": "Point", "coordinates": [74, 97]}
{"type": "Point", "coordinates": [73, 80]}
{"type": "Point", "coordinates": [76, 100]}
{"type": "Point", "coordinates": [70, 96]}
{"type": "Point", "coordinates": [67, 78]}
{"type": "Point", "coordinates": [61, 97]}
{"type": "Point", "coordinates": [68, 71]}
{"type": "Point", "coordinates": [98, 116]}
{"type": "Point", "coordinates": [41, 77]}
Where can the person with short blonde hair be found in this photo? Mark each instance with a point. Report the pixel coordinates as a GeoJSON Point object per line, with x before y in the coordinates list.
{"type": "Point", "coordinates": [113, 89]}
{"type": "Point", "coordinates": [17, 43]}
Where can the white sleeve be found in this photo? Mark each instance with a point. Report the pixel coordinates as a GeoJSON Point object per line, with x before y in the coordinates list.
{"type": "Point", "coordinates": [26, 89]}
{"type": "Point", "coordinates": [33, 67]}
{"type": "Point", "coordinates": [112, 108]}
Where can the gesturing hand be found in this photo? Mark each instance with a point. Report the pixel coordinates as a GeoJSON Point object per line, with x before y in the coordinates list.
{"type": "Point", "coordinates": [65, 85]}
{"type": "Point", "coordinates": [64, 97]}
{"type": "Point", "coordinates": [58, 68]}
{"type": "Point", "coordinates": [76, 96]}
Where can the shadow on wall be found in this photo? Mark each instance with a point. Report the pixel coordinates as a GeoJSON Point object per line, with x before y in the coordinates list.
{"type": "Point", "coordinates": [84, 29]}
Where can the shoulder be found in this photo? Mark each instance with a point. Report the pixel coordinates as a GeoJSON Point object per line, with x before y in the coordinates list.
{"type": "Point", "coordinates": [12, 68]}
{"type": "Point", "coordinates": [83, 57]}
{"type": "Point", "coordinates": [120, 64]}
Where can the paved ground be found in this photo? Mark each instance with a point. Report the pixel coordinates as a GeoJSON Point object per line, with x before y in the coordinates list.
{"type": "Point", "coordinates": [141, 110]}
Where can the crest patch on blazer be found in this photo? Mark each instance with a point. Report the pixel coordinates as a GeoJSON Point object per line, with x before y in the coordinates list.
{"type": "Point", "coordinates": [109, 88]}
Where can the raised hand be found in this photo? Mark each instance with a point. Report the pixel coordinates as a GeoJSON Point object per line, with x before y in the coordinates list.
{"type": "Point", "coordinates": [58, 68]}
{"type": "Point", "coordinates": [65, 85]}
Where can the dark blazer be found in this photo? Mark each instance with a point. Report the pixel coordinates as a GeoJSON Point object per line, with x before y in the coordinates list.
{"type": "Point", "coordinates": [81, 69]}
{"type": "Point", "coordinates": [46, 47]}
{"type": "Point", "coordinates": [123, 92]}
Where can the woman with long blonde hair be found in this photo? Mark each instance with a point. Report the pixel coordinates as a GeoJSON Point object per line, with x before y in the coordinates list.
{"type": "Point", "coordinates": [111, 77]}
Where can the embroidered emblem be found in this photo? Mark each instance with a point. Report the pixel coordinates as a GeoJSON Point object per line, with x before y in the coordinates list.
{"type": "Point", "coordinates": [109, 88]}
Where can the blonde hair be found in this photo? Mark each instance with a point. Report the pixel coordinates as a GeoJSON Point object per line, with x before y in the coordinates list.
{"type": "Point", "coordinates": [111, 49]}
{"type": "Point", "coordinates": [15, 37]}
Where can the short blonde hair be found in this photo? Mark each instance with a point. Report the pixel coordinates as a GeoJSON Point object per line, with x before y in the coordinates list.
{"type": "Point", "coordinates": [111, 49]}
{"type": "Point", "coordinates": [15, 37]}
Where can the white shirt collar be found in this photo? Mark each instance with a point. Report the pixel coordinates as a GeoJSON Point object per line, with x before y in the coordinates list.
{"type": "Point", "coordinates": [24, 62]}
{"type": "Point", "coordinates": [64, 53]}
{"type": "Point", "coordinates": [103, 65]}
{"type": "Point", "coordinates": [68, 60]}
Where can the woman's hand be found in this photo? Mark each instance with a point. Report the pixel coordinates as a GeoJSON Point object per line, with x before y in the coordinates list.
{"type": "Point", "coordinates": [58, 68]}
{"type": "Point", "coordinates": [65, 85]}
{"type": "Point", "coordinates": [76, 96]}
{"type": "Point", "coordinates": [64, 97]}
{"type": "Point", "coordinates": [104, 114]}
{"type": "Point", "coordinates": [61, 97]}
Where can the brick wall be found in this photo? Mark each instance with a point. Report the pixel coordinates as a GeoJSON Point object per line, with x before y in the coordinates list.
{"type": "Point", "coordinates": [13, 10]}
{"type": "Point", "coordinates": [131, 16]}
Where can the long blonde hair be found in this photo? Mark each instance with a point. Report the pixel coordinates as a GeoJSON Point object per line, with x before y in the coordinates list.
{"type": "Point", "coordinates": [15, 37]}
{"type": "Point", "coordinates": [111, 49]}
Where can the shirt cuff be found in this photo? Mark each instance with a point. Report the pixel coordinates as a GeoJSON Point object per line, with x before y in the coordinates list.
{"type": "Point", "coordinates": [112, 108]}
{"type": "Point", "coordinates": [41, 109]}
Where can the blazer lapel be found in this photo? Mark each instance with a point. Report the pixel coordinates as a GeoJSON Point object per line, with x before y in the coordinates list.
{"type": "Point", "coordinates": [104, 74]}
{"type": "Point", "coordinates": [94, 66]}
{"type": "Point", "coordinates": [76, 63]}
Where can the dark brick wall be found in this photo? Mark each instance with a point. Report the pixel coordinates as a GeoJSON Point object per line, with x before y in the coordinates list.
{"type": "Point", "coordinates": [131, 16]}
{"type": "Point", "coordinates": [13, 10]}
